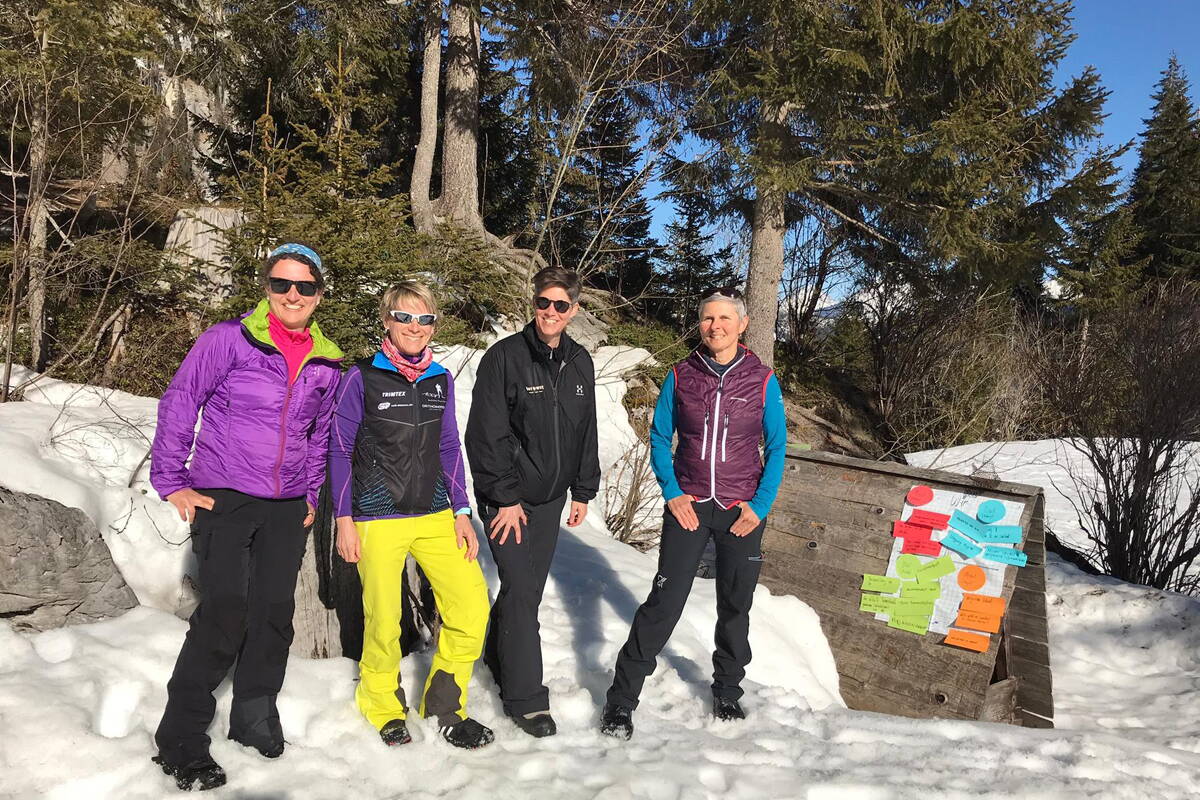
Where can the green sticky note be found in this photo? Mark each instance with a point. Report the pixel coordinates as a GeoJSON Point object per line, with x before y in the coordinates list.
{"type": "Point", "coordinates": [936, 569]}
{"type": "Point", "coordinates": [909, 607]}
{"type": "Point", "coordinates": [917, 625]}
{"type": "Point", "coordinates": [907, 565]}
{"type": "Point", "coordinates": [876, 604]}
{"type": "Point", "coordinates": [921, 591]}
{"type": "Point", "coordinates": [879, 583]}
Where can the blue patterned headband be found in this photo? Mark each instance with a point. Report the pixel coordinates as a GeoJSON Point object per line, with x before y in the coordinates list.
{"type": "Point", "coordinates": [297, 250]}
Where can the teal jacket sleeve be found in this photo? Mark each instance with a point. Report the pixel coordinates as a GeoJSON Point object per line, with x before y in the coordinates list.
{"type": "Point", "coordinates": [774, 449]}
{"type": "Point", "coordinates": [662, 431]}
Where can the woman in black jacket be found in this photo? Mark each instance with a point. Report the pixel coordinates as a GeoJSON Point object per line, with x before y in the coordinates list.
{"type": "Point", "coordinates": [531, 436]}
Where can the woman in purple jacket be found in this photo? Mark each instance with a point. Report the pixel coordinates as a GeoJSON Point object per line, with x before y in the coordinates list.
{"type": "Point", "coordinates": [265, 383]}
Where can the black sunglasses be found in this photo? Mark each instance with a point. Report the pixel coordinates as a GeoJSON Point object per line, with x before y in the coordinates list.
{"type": "Point", "coordinates": [731, 292]}
{"type": "Point", "coordinates": [403, 317]}
{"type": "Point", "coordinates": [283, 286]}
{"type": "Point", "coordinates": [561, 306]}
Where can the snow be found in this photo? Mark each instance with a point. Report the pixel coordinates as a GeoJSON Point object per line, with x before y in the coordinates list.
{"type": "Point", "coordinates": [78, 705]}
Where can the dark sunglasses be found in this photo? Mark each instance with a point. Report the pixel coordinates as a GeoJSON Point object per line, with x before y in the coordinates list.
{"type": "Point", "coordinates": [283, 286]}
{"type": "Point", "coordinates": [403, 317]}
{"type": "Point", "coordinates": [731, 292]}
{"type": "Point", "coordinates": [561, 306]}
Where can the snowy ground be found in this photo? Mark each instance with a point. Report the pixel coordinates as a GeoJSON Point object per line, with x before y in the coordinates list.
{"type": "Point", "coordinates": [78, 705]}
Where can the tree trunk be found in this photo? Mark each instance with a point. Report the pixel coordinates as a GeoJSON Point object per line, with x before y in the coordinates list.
{"type": "Point", "coordinates": [422, 173]}
{"type": "Point", "coordinates": [766, 245]}
{"type": "Point", "coordinates": [459, 201]}
{"type": "Point", "coordinates": [35, 223]}
{"type": "Point", "coordinates": [317, 632]}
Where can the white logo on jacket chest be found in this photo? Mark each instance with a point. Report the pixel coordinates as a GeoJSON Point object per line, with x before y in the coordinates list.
{"type": "Point", "coordinates": [579, 390]}
{"type": "Point", "coordinates": [535, 389]}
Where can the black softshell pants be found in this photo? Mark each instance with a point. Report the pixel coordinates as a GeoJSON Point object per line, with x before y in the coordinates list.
{"type": "Point", "coordinates": [513, 650]}
{"type": "Point", "coordinates": [739, 559]}
{"type": "Point", "coordinates": [249, 552]}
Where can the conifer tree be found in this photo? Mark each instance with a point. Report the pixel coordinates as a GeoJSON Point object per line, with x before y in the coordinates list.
{"type": "Point", "coordinates": [688, 264]}
{"type": "Point", "coordinates": [1165, 195]}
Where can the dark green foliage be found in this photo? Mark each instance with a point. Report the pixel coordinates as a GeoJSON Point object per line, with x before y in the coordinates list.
{"type": "Point", "coordinates": [688, 265]}
{"type": "Point", "coordinates": [1164, 197]}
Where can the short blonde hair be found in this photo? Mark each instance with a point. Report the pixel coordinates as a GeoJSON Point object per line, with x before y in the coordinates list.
{"type": "Point", "coordinates": [397, 293]}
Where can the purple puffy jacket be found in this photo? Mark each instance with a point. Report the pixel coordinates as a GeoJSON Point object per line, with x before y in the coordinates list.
{"type": "Point", "coordinates": [258, 435]}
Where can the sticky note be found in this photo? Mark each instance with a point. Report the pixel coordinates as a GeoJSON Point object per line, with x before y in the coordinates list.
{"type": "Point", "coordinates": [876, 604]}
{"type": "Point", "coordinates": [919, 495]}
{"type": "Point", "coordinates": [909, 607]}
{"type": "Point", "coordinates": [1001, 534]}
{"type": "Point", "coordinates": [1005, 555]}
{"type": "Point", "coordinates": [990, 511]}
{"type": "Point", "coordinates": [879, 583]}
{"type": "Point", "coordinates": [961, 544]}
{"type": "Point", "coordinates": [972, 578]}
{"type": "Point", "coordinates": [977, 621]}
{"type": "Point", "coordinates": [928, 519]}
{"type": "Point", "coordinates": [936, 569]}
{"type": "Point", "coordinates": [921, 547]}
{"type": "Point", "coordinates": [982, 604]}
{"type": "Point", "coordinates": [907, 566]}
{"type": "Point", "coordinates": [964, 524]}
{"type": "Point", "coordinates": [904, 530]}
{"type": "Point", "coordinates": [917, 625]}
{"type": "Point", "coordinates": [968, 641]}
{"type": "Point", "coordinates": [920, 591]}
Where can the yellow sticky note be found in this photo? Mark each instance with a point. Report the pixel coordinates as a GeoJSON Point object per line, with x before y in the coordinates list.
{"type": "Point", "coordinates": [879, 583]}
{"type": "Point", "coordinates": [917, 625]}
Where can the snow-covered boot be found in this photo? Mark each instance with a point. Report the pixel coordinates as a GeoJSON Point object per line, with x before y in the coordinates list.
{"type": "Point", "coordinates": [727, 709]}
{"type": "Point", "coordinates": [394, 732]}
{"type": "Point", "coordinates": [616, 721]}
{"type": "Point", "coordinates": [538, 724]}
{"type": "Point", "coordinates": [205, 772]}
{"type": "Point", "coordinates": [468, 734]}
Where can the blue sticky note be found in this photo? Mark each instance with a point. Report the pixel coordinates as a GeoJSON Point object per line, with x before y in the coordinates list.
{"type": "Point", "coordinates": [990, 511]}
{"type": "Point", "coordinates": [968, 525]}
{"type": "Point", "coordinates": [1002, 534]}
{"type": "Point", "coordinates": [961, 544]}
{"type": "Point", "coordinates": [1005, 555]}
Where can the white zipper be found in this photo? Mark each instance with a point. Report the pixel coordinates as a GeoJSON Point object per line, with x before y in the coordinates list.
{"type": "Point", "coordinates": [704, 438]}
{"type": "Point", "coordinates": [724, 437]}
{"type": "Point", "coordinates": [712, 469]}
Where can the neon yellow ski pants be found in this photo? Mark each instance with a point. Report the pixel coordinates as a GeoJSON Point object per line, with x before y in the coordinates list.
{"type": "Point", "coordinates": [461, 595]}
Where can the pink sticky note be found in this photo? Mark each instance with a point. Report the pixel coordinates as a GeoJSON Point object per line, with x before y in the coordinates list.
{"type": "Point", "coordinates": [906, 531]}
{"type": "Point", "coordinates": [929, 519]}
{"type": "Point", "coordinates": [921, 547]}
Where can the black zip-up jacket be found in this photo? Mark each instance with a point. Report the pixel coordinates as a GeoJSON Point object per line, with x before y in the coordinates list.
{"type": "Point", "coordinates": [531, 434]}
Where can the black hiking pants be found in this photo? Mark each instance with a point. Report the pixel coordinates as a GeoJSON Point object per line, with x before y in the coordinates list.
{"type": "Point", "coordinates": [249, 552]}
{"type": "Point", "coordinates": [513, 650]}
{"type": "Point", "coordinates": [739, 559]}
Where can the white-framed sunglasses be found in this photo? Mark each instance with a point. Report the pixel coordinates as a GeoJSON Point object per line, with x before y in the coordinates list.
{"type": "Point", "coordinates": [403, 317]}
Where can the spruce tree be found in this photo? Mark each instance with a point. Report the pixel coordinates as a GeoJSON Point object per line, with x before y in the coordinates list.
{"type": "Point", "coordinates": [688, 264]}
{"type": "Point", "coordinates": [1164, 196]}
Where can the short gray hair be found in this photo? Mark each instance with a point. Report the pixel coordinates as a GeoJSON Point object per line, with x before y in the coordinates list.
{"type": "Point", "coordinates": [738, 303]}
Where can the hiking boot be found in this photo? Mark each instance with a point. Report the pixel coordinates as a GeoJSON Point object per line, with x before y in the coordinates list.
{"type": "Point", "coordinates": [205, 772]}
{"type": "Point", "coordinates": [727, 709]}
{"type": "Point", "coordinates": [394, 733]}
{"type": "Point", "coordinates": [538, 724]}
{"type": "Point", "coordinates": [468, 734]}
{"type": "Point", "coordinates": [273, 750]}
{"type": "Point", "coordinates": [616, 721]}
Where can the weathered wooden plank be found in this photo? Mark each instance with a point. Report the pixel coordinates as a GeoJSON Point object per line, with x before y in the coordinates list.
{"type": "Point", "coordinates": [851, 540]}
{"type": "Point", "coordinates": [1031, 580]}
{"type": "Point", "coordinates": [1000, 701]}
{"type": "Point", "coordinates": [813, 507]}
{"type": "Point", "coordinates": [1026, 602]}
{"type": "Point", "coordinates": [977, 485]}
{"type": "Point", "coordinates": [1026, 626]}
{"type": "Point", "coordinates": [1038, 652]}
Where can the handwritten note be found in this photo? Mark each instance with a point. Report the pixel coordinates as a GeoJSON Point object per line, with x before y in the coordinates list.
{"type": "Point", "coordinates": [879, 583]}
{"type": "Point", "coordinates": [906, 531]}
{"type": "Point", "coordinates": [920, 591]}
{"type": "Point", "coordinates": [968, 641]}
{"type": "Point", "coordinates": [972, 578]}
{"type": "Point", "coordinates": [907, 566]}
{"type": "Point", "coordinates": [917, 625]}
{"type": "Point", "coordinates": [990, 511]}
{"type": "Point", "coordinates": [910, 607]}
{"type": "Point", "coordinates": [876, 604]}
{"type": "Point", "coordinates": [928, 519]}
{"type": "Point", "coordinates": [936, 569]}
{"type": "Point", "coordinates": [1001, 534]}
{"type": "Point", "coordinates": [978, 622]}
{"type": "Point", "coordinates": [921, 547]}
{"type": "Point", "coordinates": [961, 544]}
{"type": "Point", "coordinates": [964, 524]}
{"type": "Point", "coordinates": [982, 604]}
{"type": "Point", "coordinates": [1005, 555]}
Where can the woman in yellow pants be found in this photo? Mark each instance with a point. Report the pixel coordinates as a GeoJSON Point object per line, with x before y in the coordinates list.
{"type": "Point", "coordinates": [399, 489]}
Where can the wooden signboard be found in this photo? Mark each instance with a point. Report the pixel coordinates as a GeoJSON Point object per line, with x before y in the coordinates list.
{"type": "Point", "coordinates": [833, 523]}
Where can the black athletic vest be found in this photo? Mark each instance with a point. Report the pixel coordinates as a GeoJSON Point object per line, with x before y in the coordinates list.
{"type": "Point", "coordinates": [397, 464]}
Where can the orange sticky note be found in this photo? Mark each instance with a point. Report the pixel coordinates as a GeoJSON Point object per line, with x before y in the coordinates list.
{"type": "Point", "coordinates": [978, 622]}
{"type": "Point", "coordinates": [971, 578]}
{"type": "Point", "coordinates": [982, 604]}
{"type": "Point", "coordinates": [968, 641]}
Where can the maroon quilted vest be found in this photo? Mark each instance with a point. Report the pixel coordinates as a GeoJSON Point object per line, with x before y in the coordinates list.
{"type": "Point", "coordinates": [719, 421]}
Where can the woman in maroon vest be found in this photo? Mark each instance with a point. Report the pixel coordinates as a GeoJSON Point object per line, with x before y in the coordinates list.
{"type": "Point", "coordinates": [722, 401]}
